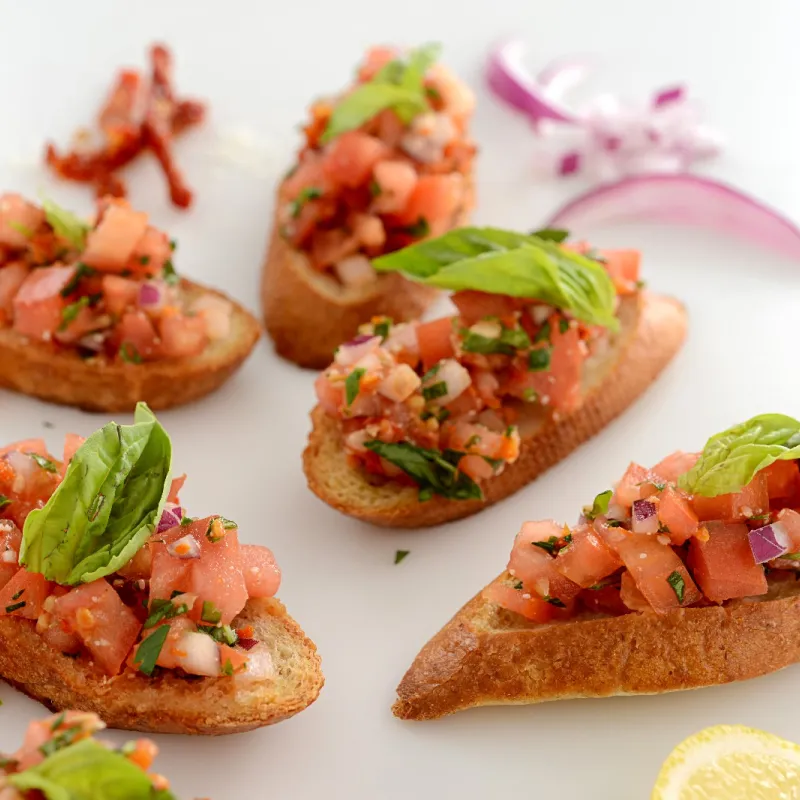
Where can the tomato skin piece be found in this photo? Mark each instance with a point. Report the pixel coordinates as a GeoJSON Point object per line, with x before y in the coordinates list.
{"type": "Point", "coordinates": [167, 573]}
{"type": "Point", "coordinates": [435, 341]}
{"type": "Point", "coordinates": [652, 571]}
{"type": "Point", "coordinates": [351, 157]}
{"type": "Point", "coordinates": [587, 559]}
{"type": "Point", "coordinates": [533, 607]}
{"type": "Point", "coordinates": [724, 565]}
{"type": "Point", "coordinates": [436, 199]}
{"type": "Point", "coordinates": [751, 501]}
{"type": "Point", "coordinates": [607, 600]}
{"type": "Point", "coordinates": [32, 589]}
{"type": "Point", "coordinates": [107, 627]}
{"type": "Point", "coordinates": [669, 469]}
{"type": "Point", "coordinates": [675, 512]}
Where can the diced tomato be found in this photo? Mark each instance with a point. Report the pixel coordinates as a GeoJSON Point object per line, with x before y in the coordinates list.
{"type": "Point", "coordinates": [10, 541]}
{"type": "Point", "coordinates": [330, 395]}
{"type": "Point", "coordinates": [19, 220]}
{"type": "Point", "coordinates": [474, 306]}
{"type": "Point", "coordinates": [368, 230]}
{"type": "Point", "coordinates": [435, 199]}
{"type": "Point", "coordinates": [472, 438]}
{"type": "Point", "coordinates": [185, 647]}
{"type": "Point", "coordinates": [531, 607]}
{"type": "Point", "coordinates": [308, 175]}
{"type": "Point", "coordinates": [623, 268]}
{"type": "Point", "coordinates": [330, 246]}
{"type": "Point", "coordinates": [24, 595]}
{"type": "Point", "coordinates": [535, 567]}
{"type": "Point", "coordinates": [83, 323]}
{"type": "Point", "coordinates": [38, 446]}
{"type": "Point", "coordinates": [152, 251]}
{"type": "Point", "coordinates": [604, 601]}
{"type": "Point", "coordinates": [63, 641]}
{"type": "Point", "coordinates": [587, 559]}
{"type": "Point", "coordinates": [559, 386]}
{"type": "Point", "coordinates": [630, 486]}
{"type": "Point", "coordinates": [395, 181]}
{"type": "Point", "coordinates": [182, 336]}
{"type": "Point", "coordinates": [174, 489]}
{"type": "Point", "coordinates": [659, 573]}
{"type": "Point", "coordinates": [262, 576]}
{"type": "Point", "coordinates": [168, 574]}
{"type": "Point", "coordinates": [782, 479]}
{"type": "Point", "coordinates": [12, 276]}
{"type": "Point", "coordinates": [791, 522]}
{"type": "Point", "coordinates": [675, 465]}
{"type": "Point", "coordinates": [675, 513]}
{"type": "Point", "coordinates": [137, 337]}
{"type": "Point", "coordinates": [476, 467]}
{"type": "Point", "coordinates": [351, 157]}
{"type": "Point", "coordinates": [374, 60]}
{"type": "Point", "coordinates": [38, 304]}
{"type": "Point", "coordinates": [724, 565]}
{"type": "Point", "coordinates": [435, 341]}
{"type": "Point", "coordinates": [120, 293]}
{"type": "Point", "coordinates": [231, 660]}
{"type": "Point", "coordinates": [217, 576]}
{"type": "Point", "coordinates": [106, 625]}
{"type": "Point", "coordinates": [630, 595]}
{"type": "Point", "coordinates": [72, 443]}
{"type": "Point", "coordinates": [752, 501]}
{"type": "Point", "coordinates": [110, 245]}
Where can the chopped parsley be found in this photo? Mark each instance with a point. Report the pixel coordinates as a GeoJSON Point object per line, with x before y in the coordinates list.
{"type": "Point", "coordinates": [306, 194]}
{"type": "Point", "coordinates": [556, 235]}
{"type": "Point", "coordinates": [81, 271]}
{"type": "Point", "coordinates": [382, 328]}
{"type": "Point", "coordinates": [431, 470]}
{"type": "Point", "coordinates": [675, 580]}
{"type": "Point", "coordinates": [144, 260]}
{"type": "Point", "coordinates": [45, 463]}
{"type": "Point", "coordinates": [164, 609]}
{"type": "Point", "coordinates": [227, 668]}
{"type": "Point", "coordinates": [433, 93]}
{"type": "Point", "coordinates": [614, 523]}
{"type": "Point", "coordinates": [70, 313]}
{"type": "Point", "coordinates": [149, 650]}
{"type": "Point", "coordinates": [529, 395]}
{"type": "Point", "coordinates": [568, 538]}
{"type": "Point", "coordinates": [20, 228]}
{"type": "Point", "coordinates": [186, 521]}
{"type": "Point", "coordinates": [434, 391]}
{"type": "Point", "coordinates": [4, 501]}
{"type": "Point", "coordinates": [17, 595]}
{"type": "Point", "coordinates": [792, 556]}
{"type": "Point", "coordinates": [548, 544]}
{"type": "Point", "coordinates": [507, 343]}
{"type": "Point", "coordinates": [554, 601]}
{"type": "Point", "coordinates": [173, 244]}
{"type": "Point", "coordinates": [223, 634]}
{"type": "Point", "coordinates": [432, 372]}
{"type": "Point", "coordinates": [352, 385]}
{"type": "Point", "coordinates": [600, 505]}
{"type": "Point", "coordinates": [169, 275]}
{"type": "Point", "coordinates": [62, 740]}
{"type": "Point", "coordinates": [375, 188]}
{"type": "Point", "coordinates": [563, 325]}
{"type": "Point", "coordinates": [543, 334]}
{"type": "Point", "coordinates": [419, 229]}
{"type": "Point", "coordinates": [518, 586]}
{"type": "Point", "coordinates": [539, 359]}
{"type": "Point", "coordinates": [213, 533]}
{"type": "Point", "coordinates": [129, 354]}
{"type": "Point", "coordinates": [474, 439]}
{"type": "Point", "coordinates": [210, 613]}
{"type": "Point", "coordinates": [399, 555]}
{"type": "Point", "coordinates": [15, 607]}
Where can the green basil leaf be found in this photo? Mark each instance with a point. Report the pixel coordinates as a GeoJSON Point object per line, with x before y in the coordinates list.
{"type": "Point", "coordinates": [4, 501]}
{"type": "Point", "coordinates": [149, 650]}
{"type": "Point", "coordinates": [675, 580]}
{"type": "Point", "coordinates": [399, 555]}
{"type": "Point", "coordinates": [731, 459]}
{"type": "Point", "coordinates": [79, 537]}
{"type": "Point", "coordinates": [417, 64]}
{"type": "Point", "coordinates": [429, 469]}
{"type": "Point", "coordinates": [87, 770]}
{"type": "Point", "coordinates": [509, 341]}
{"type": "Point", "coordinates": [352, 385]}
{"type": "Point", "coordinates": [66, 225]}
{"type": "Point", "coordinates": [600, 505]}
{"type": "Point", "coordinates": [504, 262]}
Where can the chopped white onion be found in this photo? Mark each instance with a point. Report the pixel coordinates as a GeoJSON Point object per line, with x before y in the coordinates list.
{"type": "Point", "coordinates": [199, 654]}
{"type": "Point", "coordinates": [400, 383]}
{"type": "Point", "coordinates": [402, 337]}
{"type": "Point", "coordinates": [355, 271]}
{"type": "Point", "coordinates": [454, 376]}
{"type": "Point", "coordinates": [353, 351]}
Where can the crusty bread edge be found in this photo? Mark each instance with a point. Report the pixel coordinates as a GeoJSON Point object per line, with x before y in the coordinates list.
{"type": "Point", "coordinates": [98, 384]}
{"type": "Point", "coordinates": [654, 338]}
{"type": "Point", "coordinates": [166, 703]}
{"type": "Point", "coordinates": [488, 656]}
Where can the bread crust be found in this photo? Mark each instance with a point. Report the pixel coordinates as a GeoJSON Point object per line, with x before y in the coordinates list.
{"type": "Point", "coordinates": [167, 702]}
{"type": "Point", "coordinates": [100, 384]}
{"type": "Point", "coordinates": [653, 330]}
{"type": "Point", "coordinates": [488, 656]}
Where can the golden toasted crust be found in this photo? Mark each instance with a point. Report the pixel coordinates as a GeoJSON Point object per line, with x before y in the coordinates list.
{"type": "Point", "coordinates": [653, 329]}
{"type": "Point", "coordinates": [98, 384]}
{"type": "Point", "coordinates": [488, 656]}
{"type": "Point", "coordinates": [168, 703]}
{"type": "Point", "coordinates": [309, 314]}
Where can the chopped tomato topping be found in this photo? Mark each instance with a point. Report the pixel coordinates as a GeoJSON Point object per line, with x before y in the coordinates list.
{"type": "Point", "coordinates": [435, 342]}
{"type": "Point", "coordinates": [24, 595]}
{"type": "Point", "coordinates": [752, 501]}
{"type": "Point", "coordinates": [528, 605]}
{"type": "Point", "coordinates": [675, 513]}
{"type": "Point", "coordinates": [587, 559]}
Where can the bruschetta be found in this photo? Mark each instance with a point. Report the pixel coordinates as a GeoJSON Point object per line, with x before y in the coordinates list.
{"type": "Point", "coordinates": [95, 316]}
{"type": "Point", "coordinates": [114, 600]}
{"type": "Point", "coordinates": [422, 423]}
{"type": "Point", "coordinates": [61, 758]}
{"type": "Point", "coordinates": [385, 164]}
{"type": "Point", "coordinates": [682, 576]}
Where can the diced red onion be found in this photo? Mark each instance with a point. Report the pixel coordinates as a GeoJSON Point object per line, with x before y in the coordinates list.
{"type": "Point", "coordinates": [356, 349]}
{"type": "Point", "coordinates": [170, 517]}
{"type": "Point", "coordinates": [682, 199]}
{"type": "Point", "coordinates": [570, 163]}
{"type": "Point", "coordinates": [768, 542]}
{"type": "Point", "coordinates": [671, 95]}
{"type": "Point", "coordinates": [644, 517]}
{"type": "Point", "coordinates": [187, 547]}
{"type": "Point", "coordinates": [455, 377]}
{"type": "Point", "coordinates": [247, 644]}
{"type": "Point", "coordinates": [150, 295]}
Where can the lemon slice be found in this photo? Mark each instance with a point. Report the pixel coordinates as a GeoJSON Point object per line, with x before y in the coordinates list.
{"type": "Point", "coordinates": [731, 762]}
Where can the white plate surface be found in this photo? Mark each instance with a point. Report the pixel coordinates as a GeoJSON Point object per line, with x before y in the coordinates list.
{"type": "Point", "coordinates": [259, 63]}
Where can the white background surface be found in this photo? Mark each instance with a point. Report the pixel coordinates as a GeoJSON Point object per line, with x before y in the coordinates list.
{"type": "Point", "coordinates": [259, 64]}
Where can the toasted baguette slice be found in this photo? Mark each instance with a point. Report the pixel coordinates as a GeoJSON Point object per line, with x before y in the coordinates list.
{"type": "Point", "coordinates": [98, 384]}
{"type": "Point", "coordinates": [653, 329]}
{"type": "Point", "coordinates": [169, 703]}
{"type": "Point", "coordinates": [486, 655]}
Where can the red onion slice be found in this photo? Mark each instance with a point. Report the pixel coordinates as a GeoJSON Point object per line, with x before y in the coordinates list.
{"type": "Point", "coordinates": [151, 295]}
{"type": "Point", "coordinates": [187, 547]}
{"type": "Point", "coordinates": [247, 644]}
{"type": "Point", "coordinates": [768, 542]}
{"type": "Point", "coordinates": [170, 517]}
{"type": "Point", "coordinates": [683, 200]}
{"type": "Point", "coordinates": [644, 517]}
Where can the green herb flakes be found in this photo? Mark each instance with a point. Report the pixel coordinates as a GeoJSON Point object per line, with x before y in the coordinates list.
{"type": "Point", "coordinates": [400, 555]}
{"type": "Point", "coordinates": [352, 384]}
